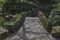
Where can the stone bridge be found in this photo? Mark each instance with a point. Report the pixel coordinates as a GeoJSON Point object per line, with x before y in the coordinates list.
{"type": "Point", "coordinates": [32, 29]}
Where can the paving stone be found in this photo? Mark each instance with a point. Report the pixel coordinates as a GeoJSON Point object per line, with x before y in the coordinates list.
{"type": "Point", "coordinates": [32, 29]}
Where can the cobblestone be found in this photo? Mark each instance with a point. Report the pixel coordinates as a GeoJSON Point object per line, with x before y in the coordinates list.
{"type": "Point", "coordinates": [32, 29]}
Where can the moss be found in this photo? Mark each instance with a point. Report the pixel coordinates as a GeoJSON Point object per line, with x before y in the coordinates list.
{"type": "Point", "coordinates": [55, 31]}
{"type": "Point", "coordinates": [45, 21]}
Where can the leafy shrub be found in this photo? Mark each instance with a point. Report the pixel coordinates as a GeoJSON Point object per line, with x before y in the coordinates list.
{"type": "Point", "coordinates": [55, 17]}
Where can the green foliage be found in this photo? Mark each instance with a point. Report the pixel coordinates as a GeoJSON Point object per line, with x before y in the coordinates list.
{"type": "Point", "coordinates": [55, 15]}
{"type": "Point", "coordinates": [55, 19]}
{"type": "Point", "coordinates": [2, 1]}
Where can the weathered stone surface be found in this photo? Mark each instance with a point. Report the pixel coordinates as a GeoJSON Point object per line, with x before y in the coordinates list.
{"type": "Point", "coordinates": [31, 30]}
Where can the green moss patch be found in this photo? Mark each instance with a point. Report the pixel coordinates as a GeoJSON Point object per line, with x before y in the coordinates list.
{"type": "Point", "coordinates": [56, 31]}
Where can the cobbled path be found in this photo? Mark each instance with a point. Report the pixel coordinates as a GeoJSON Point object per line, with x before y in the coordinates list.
{"type": "Point", "coordinates": [32, 29]}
